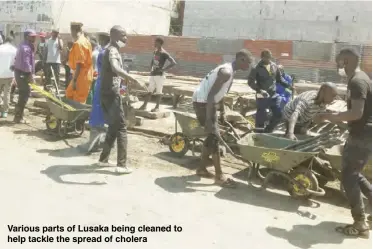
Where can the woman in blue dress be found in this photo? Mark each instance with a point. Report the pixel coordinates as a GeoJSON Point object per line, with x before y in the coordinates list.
{"type": "Point", "coordinates": [96, 119]}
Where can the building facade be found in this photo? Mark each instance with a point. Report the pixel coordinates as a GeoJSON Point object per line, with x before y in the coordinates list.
{"type": "Point", "coordinates": [320, 21]}
{"type": "Point", "coordinates": [138, 17]}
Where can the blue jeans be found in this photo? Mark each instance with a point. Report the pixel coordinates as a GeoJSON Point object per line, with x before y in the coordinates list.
{"type": "Point", "coordinates": [273, 104]}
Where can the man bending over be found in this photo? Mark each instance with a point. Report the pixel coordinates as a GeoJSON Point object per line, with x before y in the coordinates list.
{"type": "Point", "coordinates": [298, 113]}
{"type": "Point", "coordinates": [211, 92]}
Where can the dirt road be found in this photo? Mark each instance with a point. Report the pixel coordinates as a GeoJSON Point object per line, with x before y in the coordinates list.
{"type": "Point", "coordinates": [46, 182]}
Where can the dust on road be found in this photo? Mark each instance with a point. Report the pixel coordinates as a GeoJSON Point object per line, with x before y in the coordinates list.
{"type": "Point", "coordinates": [46, 181]}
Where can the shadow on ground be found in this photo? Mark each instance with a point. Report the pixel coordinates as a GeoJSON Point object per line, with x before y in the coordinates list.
{"type": "Point", "coordinates": [187, 162]}
{"type": "Point", "coordinates": [241, 194]}
{"type": "Point", "coordinates": [66, 152]}
{"type": "Point", "coordinates": [42, 134]}
{"type": "Point", "coordinates": [306, 236]}
{"type": "Point", "coordinates": [56, 173]}
{"type": "Point", "coordinates": [332, 196]}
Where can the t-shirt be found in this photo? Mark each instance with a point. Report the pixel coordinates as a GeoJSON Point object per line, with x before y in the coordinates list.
{"type": "Point", "coordinates": [54, 53]}
{"type": "Point", "coordinates": [41, 49]}
{"type": "Point", "coordinates": [360, 87]}
{"type": "Point", "coordinates": [7, 56]}
{"type": "Point", "coordinates": [304, 105]}
{"type": "Point", "coordinates": [159, 59]}
{"type": "Point", "coordinates": [110, 81]}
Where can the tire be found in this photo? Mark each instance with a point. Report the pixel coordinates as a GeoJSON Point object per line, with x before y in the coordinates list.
{"type": "Point", "coordinates": [79, 128]}
{"type": "Point", "coordinates": [52, 123]}
{"type": "Point", "coordinates": [306, 178]}
{"type": "Point", "coordinates": [179, 144]}
{"type": "Point", "coordinates": [322, 182]}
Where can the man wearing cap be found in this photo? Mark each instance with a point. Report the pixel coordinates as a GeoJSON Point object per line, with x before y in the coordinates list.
{"type": "Point", "coordinates": [41, 46]}
{"type": "Point", "coordinates": [96, 119]}
{"type": "Point", "coordinates": [80, 61]}
{"type": "Point", "coordinates": [24, 69]}
{"type": "Point", "coordinates": [53, 57]}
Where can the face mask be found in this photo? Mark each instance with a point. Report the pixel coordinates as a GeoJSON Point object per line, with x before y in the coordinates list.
{"type": "Point", "coordinates": [342, 72]}
{"type": "Point", "coordinates": [121, 44]}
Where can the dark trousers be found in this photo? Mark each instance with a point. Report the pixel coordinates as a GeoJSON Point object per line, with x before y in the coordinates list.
{"type": "Point", "coordinates": [117, 130]}
{"type": "Point", "coordinates": [356, 153]}
{"type": "Point", "coordinates": [273, 104]}
{"type": "Point", "coordinates": [67, 75]}
{"type": "Point", "coordinates": [56, 70]}
{"type": "Point", "coordinates": [23, 80]}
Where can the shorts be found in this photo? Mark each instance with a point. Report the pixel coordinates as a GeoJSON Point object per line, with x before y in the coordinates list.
{"type": "Point", "coordinates": [156, 83]}
{"type": "Point", "coordinates": [200, 110]}
{"type": "Point", "coordinates": [212, 140]}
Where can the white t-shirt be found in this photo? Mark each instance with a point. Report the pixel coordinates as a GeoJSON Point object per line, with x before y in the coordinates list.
{"type": "Point", "coordinates": [54, 53]}
{"type": "Point", "coordinates": [203, 90]}
{"type": "Point", "coordinates": [7, 56]}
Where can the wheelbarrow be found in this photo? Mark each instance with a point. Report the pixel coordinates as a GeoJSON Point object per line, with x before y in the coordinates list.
{"type": "Point", "coordinates": [334, 156]}
{"type": "Point", "coordinates": [192, 133]}
{"type": "Point", "coordinates": [276, 155]}
{"type": "Point", "coordinates": [64, 121]}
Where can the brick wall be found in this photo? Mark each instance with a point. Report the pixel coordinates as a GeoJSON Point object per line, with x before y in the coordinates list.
{"type": "Point", "coordinates": [310, 61]}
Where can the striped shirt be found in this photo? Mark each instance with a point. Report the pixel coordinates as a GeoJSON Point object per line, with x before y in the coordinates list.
{"type": "Point", "coordinates": [304, 105]}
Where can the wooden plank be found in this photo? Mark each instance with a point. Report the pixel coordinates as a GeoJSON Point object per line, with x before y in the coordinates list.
{"type": "Point", "coordinates": [153, 115]}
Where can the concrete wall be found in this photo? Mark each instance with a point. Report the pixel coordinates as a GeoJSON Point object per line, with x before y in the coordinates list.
{"type": "Point", "coordinates": [138, 17]}
{"type": "Point", "coordinates": [280, 20]}
{"type": "Point", "coordinates": [197, 56]}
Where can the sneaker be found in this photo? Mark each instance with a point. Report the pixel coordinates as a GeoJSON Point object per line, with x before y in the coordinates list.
{"type": "Point", "coordinates": [123, 170]}
{"type": "Point", "coordinates": [106, 164]}
{"type": "Point", "coordinates": [4, 115]}
{"type": "Point", "coordinates": [155, 110]}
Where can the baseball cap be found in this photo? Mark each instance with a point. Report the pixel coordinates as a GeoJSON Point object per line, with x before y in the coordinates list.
{"type": "Point", "coordinates": [30, 32]}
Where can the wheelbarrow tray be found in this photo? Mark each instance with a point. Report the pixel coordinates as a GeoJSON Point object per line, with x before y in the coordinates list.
{"type": "Point", "coordinates": [266, 150]}
{"type": "Point", "coordinates": [81, 111]}
{"type": "Point", "coordinates": [189, 125]}
{"type": "Point", "coordinates": [334, 156]}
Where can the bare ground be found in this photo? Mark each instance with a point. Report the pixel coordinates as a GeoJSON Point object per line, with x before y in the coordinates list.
{"type": "Point", "coordinates": [46, 181]}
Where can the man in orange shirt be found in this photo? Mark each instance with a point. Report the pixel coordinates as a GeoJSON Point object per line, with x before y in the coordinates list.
{"type": "Point", "coordinates": [80, 61]}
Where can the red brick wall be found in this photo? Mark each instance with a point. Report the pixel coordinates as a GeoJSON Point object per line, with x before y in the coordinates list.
{"type": "Point", "coordinates": [186, 49]}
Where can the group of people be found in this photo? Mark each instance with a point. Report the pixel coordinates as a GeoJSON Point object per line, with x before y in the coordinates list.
{"type": "Point", "coordinates": [298, 113]}
{"type": "Point", "coordinates": [272, 86]}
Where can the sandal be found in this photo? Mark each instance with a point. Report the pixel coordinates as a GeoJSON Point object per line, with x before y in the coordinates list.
{"type": "Point", "coordinates": [352, 231]}
{"type": "Point", "coordinates": [228, 183]}
{"type": "Point", "coordinates": [204, 173]}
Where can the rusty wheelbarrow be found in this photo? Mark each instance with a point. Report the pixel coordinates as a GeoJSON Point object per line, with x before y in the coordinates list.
{"type": "Point", "coordinates": [276, 155]}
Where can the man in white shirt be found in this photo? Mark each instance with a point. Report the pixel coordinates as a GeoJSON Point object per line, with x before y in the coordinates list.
{"type": "Point", "coordinates": [7, 55]}
{"type": "Point", "coordinates": [53, 57]}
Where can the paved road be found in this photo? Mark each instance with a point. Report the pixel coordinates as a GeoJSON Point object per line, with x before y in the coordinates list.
{"type": "Point", "coordinates": [48, 183]}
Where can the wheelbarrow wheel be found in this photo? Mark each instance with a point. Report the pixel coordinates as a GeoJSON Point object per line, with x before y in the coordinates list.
{"type": "Point", "coordinates": [306, 178]}
{"type": "Point", "coordinates": [52, 123]}
{"type": "Point", "coordinates": [179, 144]}
{"type": "Point", "coordinates": [79, 127]}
